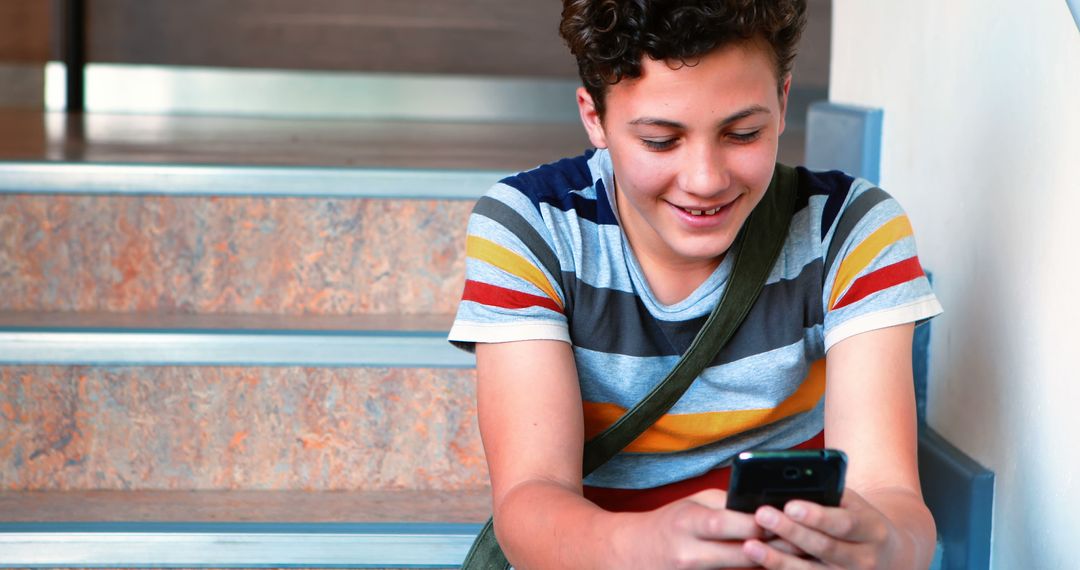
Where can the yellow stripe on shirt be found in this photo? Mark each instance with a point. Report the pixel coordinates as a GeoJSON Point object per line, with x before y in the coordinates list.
{"type": "Point", "coordinates": [681, 432]}
{"type": "Point", "coordinates": [860, 257]}
{"type": "Point", "coordinates": [497, 255]}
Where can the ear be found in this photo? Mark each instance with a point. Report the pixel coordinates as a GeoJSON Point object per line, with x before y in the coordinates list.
{"type": "Point", "coordinates": [784, 91]}
{"type": "Point", "coordinates": [591, 119]}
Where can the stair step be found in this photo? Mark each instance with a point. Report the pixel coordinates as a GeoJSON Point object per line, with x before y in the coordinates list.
{"type": "Point", "coordinates": [246, 506]}
{"type": "Point", "coordinates": [311, 545]}
{"type": "Point", "coordinates": [108, 339]}
{"type": "Point", "coordinates": [87, 178]}
{"type": "Point", "coordinates": [239, 529]}
{"type": "Point", "coordinates": [249, 141]}
{"type": "Point", "coordinates": [76, 427]}
{"type": "Point", "coordinates": [205, 254]}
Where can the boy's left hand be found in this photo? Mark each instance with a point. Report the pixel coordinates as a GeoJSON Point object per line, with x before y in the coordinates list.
{"type": "Point", "coordinates": [853, 535]}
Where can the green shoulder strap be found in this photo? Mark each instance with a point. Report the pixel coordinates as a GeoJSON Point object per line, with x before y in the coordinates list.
{"type": "Point", "coordinates": [757, 247]}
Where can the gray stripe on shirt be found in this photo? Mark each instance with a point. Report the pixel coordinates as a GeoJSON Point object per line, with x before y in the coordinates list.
{"type": "Point", "coordinates": [851, 217]}
{"type": "Point", "coordinates": [779, 317]}
{"type": "Point", "coordinates": [520, 227]}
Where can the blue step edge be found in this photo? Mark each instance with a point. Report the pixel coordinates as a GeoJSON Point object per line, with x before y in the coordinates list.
{"type": "Point", "coordinates": [27, 177]}
{"type": "Point", "coordinates": [415, 341]}
{"type": "Point", "coordinates": [960, 494]}
{"type": "Point", "coordinates": [230, 348]}
{"type": "Point", "coordinates": [234, 545]}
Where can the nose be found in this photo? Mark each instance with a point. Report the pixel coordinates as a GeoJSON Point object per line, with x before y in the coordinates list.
{"type": "Point", "coordinates": [705, 171]}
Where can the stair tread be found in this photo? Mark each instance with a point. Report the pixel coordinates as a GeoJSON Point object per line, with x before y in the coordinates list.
{"type": "Point", "coordinates": [114, 339]}
{"type": "Point", "coordinates": [239, 529]}
{"type": "Point", "coordinates": [458, 506]}
{"type": "Point", "coordinates": [172, 322]}
{"type": "Point", "coordinates": [103, 138]}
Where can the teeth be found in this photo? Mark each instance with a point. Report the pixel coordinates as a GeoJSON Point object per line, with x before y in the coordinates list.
{"type": "Point", "coordinates": [701, 212]}
{"type": "Point", "coordinates": [712, 211]}
{"type": "Point", "coordinates": [695, 212]}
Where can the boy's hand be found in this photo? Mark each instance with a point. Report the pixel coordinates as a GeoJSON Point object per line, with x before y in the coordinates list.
{"type": "Point", "coordinates": [695, 532]}
{"type": "Point", "coordinates": [853, 535]}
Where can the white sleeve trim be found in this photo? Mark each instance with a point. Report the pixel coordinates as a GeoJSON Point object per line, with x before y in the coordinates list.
{"type": "Point", "coordinates": [472, 332]}
{"type": "Point", "coordinates": [917, 310]}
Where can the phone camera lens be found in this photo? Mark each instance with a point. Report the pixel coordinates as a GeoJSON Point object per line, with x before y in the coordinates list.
{"type": "Point", "coordinates": [791, 473]}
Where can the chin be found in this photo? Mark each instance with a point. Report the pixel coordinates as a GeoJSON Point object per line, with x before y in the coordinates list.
{"type": "Point", "coordinates": [705, 254]}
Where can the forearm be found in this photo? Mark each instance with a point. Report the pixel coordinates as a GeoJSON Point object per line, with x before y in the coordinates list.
{"type": "Point", "coordinates": [915, 533]}
{"type": "Point", "coordinates": [547, 525]}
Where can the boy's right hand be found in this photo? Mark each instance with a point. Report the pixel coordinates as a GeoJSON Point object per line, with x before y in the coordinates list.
{"type": "Point", "coordinates": [695, 532]}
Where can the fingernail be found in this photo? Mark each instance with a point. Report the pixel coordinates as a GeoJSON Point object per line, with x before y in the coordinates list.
{"type": "Point", "coordinates": [795, 511]}
{"type": "Point", "coordinates": [768, 517]}
{"type": "Point", "coordinates": [755, 550]}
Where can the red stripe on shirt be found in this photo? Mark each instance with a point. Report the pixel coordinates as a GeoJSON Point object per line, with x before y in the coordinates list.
{"type": "Point", "coordinates": [641, 500]}
{"type": "Point", "coordinates": [495, 296]}
{"type": "Point", "coordinates": [888, 276]}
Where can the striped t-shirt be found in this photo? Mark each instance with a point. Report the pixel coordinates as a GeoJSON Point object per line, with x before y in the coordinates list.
{"type": "Point", "coordinates": [547, 259]}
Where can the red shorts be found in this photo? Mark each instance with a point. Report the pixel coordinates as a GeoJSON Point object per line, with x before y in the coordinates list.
{"type": "Point", "coordinates": [640, 500]}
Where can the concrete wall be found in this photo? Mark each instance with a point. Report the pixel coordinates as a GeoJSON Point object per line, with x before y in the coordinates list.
{"type": "Point", "coordinates": [982, 146]}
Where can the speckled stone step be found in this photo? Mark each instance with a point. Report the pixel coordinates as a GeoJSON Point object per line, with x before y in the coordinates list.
{"type": "Point", "coordinates": [242, 254]}
{"type": "Point", "coordinates": [144, 401]}
{"type": "Point", "coordinates": [253, 428]}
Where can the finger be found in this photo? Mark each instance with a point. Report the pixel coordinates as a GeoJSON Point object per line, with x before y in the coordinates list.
{"type": "Point", "coordinates": [710, 554]}
{"type": "Point", "coordinates": [811, 541]}
{"type": "Point", "coordinates": [783, 546]}
{"type": "Point", "coordinates": [716, 522]}
{"type": "Point", "coordinates": [713, 524]}
{"type": "Point", "coordinates": [854, 522]}
{"type": "Point", "coordinates": [773, 559]}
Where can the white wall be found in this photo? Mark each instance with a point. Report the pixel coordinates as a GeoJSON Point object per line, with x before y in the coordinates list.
{"type": "Point", "coordinates": [982, 147]}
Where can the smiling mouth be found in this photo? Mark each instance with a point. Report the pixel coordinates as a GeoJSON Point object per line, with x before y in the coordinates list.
{"type": "Point", "coordinates": [702, 212]}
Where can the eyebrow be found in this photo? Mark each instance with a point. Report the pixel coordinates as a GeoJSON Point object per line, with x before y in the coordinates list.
{"type": "Point", "coordinates": [744, 113]}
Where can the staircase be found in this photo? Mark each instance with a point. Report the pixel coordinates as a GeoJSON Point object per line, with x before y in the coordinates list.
{"type": "Point", "coordinates": [238, 358]}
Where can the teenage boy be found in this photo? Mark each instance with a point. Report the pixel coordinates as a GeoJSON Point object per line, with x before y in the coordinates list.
{"type": "Point", "coordinates": [588, 277]}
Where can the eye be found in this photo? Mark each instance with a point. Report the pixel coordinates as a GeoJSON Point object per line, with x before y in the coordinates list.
{"type": "Point", "coordinates": [743, 138]}
{"type": "Point", "coordinates": [662, 144]}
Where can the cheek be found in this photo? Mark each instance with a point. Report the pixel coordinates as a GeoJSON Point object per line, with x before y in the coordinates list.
{"type": "Point", "coordinates": [643, 175]}
{"type": "Point", "coordinates": [754, 166]}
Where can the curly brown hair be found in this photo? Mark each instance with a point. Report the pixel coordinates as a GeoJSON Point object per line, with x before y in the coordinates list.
{"type": "Point", "coordinates": [610, 37]}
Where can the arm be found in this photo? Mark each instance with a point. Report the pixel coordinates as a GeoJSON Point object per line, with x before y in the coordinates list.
{"type": "Point", "coordinates": [531, 423]}
{"type": "Point", "coordinates": [870, 414]}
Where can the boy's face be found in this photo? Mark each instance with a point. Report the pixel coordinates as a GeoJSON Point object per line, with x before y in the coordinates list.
{"type": "Point", "coordinates": [693, 150]}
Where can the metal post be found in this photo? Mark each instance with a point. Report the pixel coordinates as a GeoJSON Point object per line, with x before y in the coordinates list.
{"type": "Point", "coordinates": [75, 53]}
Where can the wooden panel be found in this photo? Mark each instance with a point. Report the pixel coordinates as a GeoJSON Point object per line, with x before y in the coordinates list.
{"type": "Point", "coordinates": [24, 31]}
{"type": "Point", "coordinates": [388, 506]}
{"type": "Point", "coordinates": [424, 36]}
{"type": "Point", "coordinates": [22, 85]}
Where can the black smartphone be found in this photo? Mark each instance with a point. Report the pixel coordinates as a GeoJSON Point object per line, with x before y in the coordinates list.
{"type": "Point", "coordinates": [776, 477]}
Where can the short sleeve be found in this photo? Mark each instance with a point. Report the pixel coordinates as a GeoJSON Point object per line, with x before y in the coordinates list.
{"type": "Point", "coordinates": [873, 277]}
{"type": "Point", "coordinates": [512, 276]}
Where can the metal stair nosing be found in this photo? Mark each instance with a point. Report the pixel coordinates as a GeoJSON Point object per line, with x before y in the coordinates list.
{"type": "Point", "coordinates": [21, 345]}
{"type": "Point", "coordinates": [224, 545]}
{"type": "Point", "coordinates": [30, 177]}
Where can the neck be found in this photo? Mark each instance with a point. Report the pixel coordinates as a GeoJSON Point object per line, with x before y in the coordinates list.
{"type": "Point", "coordinates": [670, 279]}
